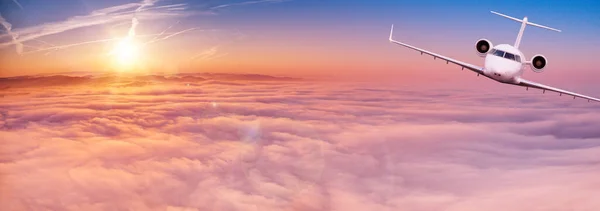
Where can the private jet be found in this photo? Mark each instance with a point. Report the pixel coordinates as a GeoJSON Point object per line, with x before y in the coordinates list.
{"type": "Point", "coordinates": [504, 63]}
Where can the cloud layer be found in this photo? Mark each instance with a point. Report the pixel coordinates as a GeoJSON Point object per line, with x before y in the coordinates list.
{"type": "Point", "coordinates": [251, 142]}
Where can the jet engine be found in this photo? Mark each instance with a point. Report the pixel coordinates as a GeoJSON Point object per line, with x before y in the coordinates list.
{"type": "Point", "coordinates": [538, 62]}
{"type": "Point", "coordinates": [483, 46]}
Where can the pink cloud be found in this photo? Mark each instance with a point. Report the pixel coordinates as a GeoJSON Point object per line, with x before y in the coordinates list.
{"type": "Point", "coordinates": [231, 144]}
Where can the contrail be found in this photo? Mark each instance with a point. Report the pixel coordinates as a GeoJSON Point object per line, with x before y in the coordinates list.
{"type": "Point", "coordinates": [31, 46]}
{"type": "Point", "coordinates": [155, 38]}
{"type": "Point", "coordinates": [55, 47]}
{"type": "Point", "coordinates": [164, 7]}
{"type": "Point", "coordinates": [41, 41]}
{"type": "Point", "coordinates": [70, 45]}
{"type": "Point", "coordinates": [8, 27]}
{"type": "Point", "coordinates": [246, 3]}
{"type": "Point", "coordinates": [18, 4]}
{"type": "Point", "coordinates": [134, 20]}
{"type": "Point", "coordinates": [134, 23]}
{"type": "Point", "coordinates": [208, 55]}
{"type": "Point", "coordinates": [49, 52]}
{"type": "Point", "coordinates": [172, 6]}
{"type": "Point", "coordinates": [146, 3]}
{"type": "Point", "coordinates": [217, 56]}
{"type": "Point", "coordinates": [171, 35]}
{"type": "Point", "coordinates": [176, 33]}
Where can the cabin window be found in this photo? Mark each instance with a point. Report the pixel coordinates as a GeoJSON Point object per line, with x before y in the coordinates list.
{"type": "Point", "coordinates": [517, 58]}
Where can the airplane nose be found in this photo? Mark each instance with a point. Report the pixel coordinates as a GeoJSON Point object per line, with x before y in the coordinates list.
{"type": "Point", "coordinates": [496, 73]}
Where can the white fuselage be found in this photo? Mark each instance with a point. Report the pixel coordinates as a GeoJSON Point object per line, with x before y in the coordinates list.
{"type": "Point", "coordinates": [507, 68]}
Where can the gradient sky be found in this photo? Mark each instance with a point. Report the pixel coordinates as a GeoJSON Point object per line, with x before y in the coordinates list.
{"type": "Point", "coordinates": [308, 37]}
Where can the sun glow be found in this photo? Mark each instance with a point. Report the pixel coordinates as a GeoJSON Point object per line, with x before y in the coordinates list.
{"type": "Point", "coordinates": [126, 53]}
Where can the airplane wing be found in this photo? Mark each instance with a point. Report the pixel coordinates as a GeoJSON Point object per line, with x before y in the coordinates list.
{"type": "Point", "coordinates": [526, 83]}
{"type": "Point", "coordinates": [474, 68]}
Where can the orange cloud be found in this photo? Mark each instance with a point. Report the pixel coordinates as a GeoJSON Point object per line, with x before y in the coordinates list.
{"type": "Point", "coordinates": [231, 142]}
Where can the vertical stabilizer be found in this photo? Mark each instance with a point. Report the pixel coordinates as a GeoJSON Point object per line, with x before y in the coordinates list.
{"type": "Point", "coordinates": [523, 25]}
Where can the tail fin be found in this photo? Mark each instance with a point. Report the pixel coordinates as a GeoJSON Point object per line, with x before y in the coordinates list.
{"type": "Point", "coordinates": [392, 33]}
{"type": "Point", "coordinates": [523, 24]}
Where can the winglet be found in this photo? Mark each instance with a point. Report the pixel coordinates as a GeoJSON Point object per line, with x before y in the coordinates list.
{"type": "Point", "coordinates": [392, 33]}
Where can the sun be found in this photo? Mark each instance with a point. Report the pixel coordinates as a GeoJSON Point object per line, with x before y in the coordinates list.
{"type": "Point", "coordinates": [126, 53]}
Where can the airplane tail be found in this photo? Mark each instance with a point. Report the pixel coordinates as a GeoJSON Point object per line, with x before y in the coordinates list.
{"type": "Point", "coordinates": [524, 23]}
{"type": "Point", "coordinates": [392, 33]}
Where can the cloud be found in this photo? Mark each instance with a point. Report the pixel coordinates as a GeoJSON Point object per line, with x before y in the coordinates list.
{"type": "Point", "coordinates": [111, 80]}
{"type": "Point", "coordinates": [228, 142]}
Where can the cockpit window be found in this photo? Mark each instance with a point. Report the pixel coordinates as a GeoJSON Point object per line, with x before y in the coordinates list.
{"type": "Point", "coordinates": [509, 56]}
{"type": "Point", "coordinates": [499, 53]}
{"type": "Point", "coordinates": [506, 55]}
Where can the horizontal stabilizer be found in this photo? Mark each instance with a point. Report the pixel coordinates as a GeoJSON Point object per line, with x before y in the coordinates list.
{"type": "Point", "coordinates": [525, 20]}
{"type": "Point", "coordinates": [524, 23]}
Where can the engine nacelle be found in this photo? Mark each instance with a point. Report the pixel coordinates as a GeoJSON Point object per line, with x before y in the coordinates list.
{"type": "Point", "coordinates": [538, 62]}
{"type": "Point", "coordinates": [483, 46]}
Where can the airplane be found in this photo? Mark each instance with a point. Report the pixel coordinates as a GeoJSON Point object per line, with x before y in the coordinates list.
{"type": "Point", "coordinates": [504, 63]}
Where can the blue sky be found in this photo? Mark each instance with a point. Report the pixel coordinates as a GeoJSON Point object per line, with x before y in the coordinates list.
{"type": "Point", "coordinates": [574, 16]}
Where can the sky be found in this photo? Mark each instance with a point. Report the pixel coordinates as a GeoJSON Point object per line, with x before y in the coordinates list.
{"type": "Point", "coordinates": [292, 105]}
{"type": "Point", "coordinates": [295, 37]}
